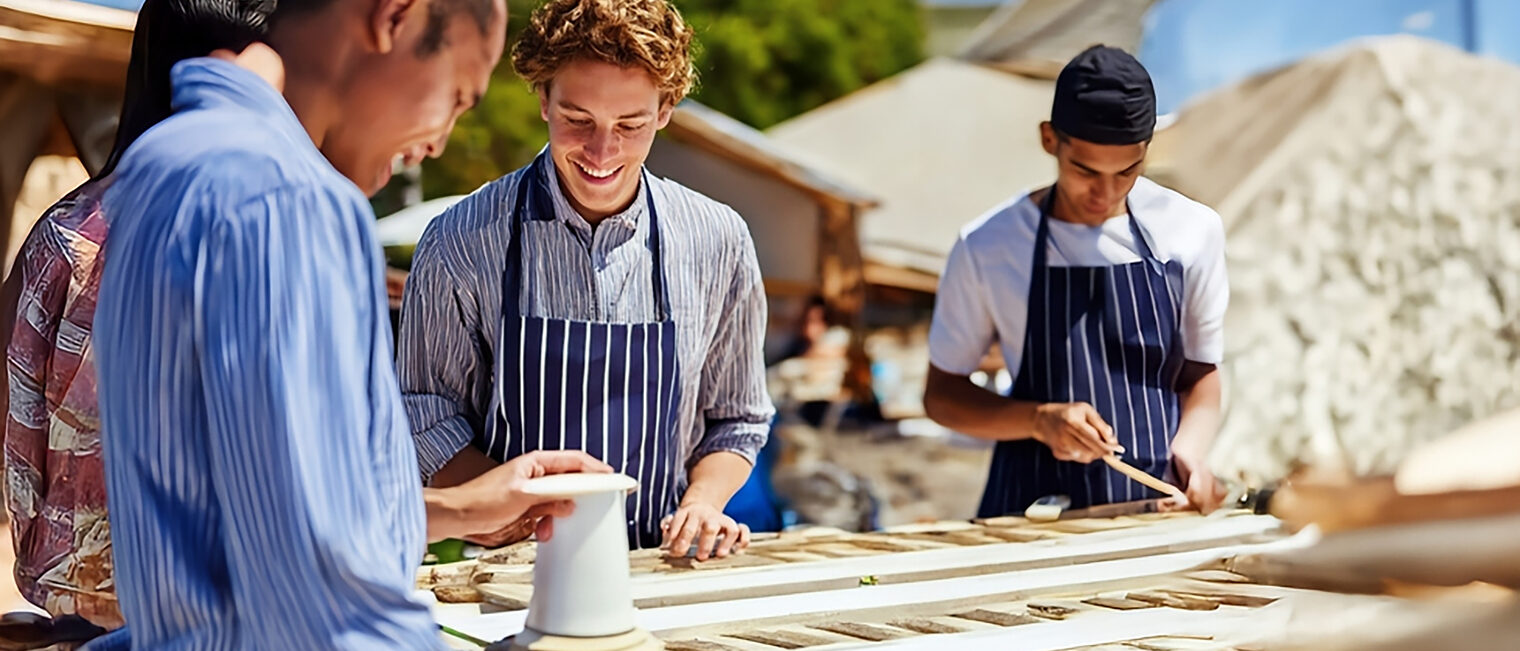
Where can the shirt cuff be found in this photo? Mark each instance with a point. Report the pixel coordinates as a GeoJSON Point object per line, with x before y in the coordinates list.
{"type": "Point", "coordinates": [741, 438]}
{"type": "Point", "coordinates": [438, 444]}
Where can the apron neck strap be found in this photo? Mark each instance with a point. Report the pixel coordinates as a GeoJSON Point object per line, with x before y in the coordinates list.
{"type": "Point", "coordinates": [1042, 232]}
{"type": "Point", "coordinates": [533, 199]}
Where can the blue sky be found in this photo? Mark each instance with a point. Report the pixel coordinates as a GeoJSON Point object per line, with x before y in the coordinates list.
{"type": "Point", "coordinates": [1191, 46]}
{"type": "Point", "coordinates": [119, 4]}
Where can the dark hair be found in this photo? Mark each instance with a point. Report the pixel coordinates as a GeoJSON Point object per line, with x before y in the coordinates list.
{"type": "Point", "coordinates": [439, 13]}
{"type": "Point", "coordinates": [169, 31]}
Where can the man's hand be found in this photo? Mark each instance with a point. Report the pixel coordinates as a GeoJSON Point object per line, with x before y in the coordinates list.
{"type": "Point", "coordinates": [489, 507]}
{"type": "Point", "coordinates": [702, 523]}
{"type": "Point", "coordinates": [1204, 492]}
{"type": "Point", "coordinates": [1074, 432]}
{"type": "Point", "coordinates": [516, 532]}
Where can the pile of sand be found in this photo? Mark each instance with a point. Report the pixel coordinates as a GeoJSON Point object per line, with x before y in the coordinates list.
{"type": "Point", "coordinates": [1372, 202]}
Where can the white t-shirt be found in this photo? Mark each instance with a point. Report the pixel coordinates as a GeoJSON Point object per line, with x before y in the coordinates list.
{"type": "Point", "coordinates": [984, 292]}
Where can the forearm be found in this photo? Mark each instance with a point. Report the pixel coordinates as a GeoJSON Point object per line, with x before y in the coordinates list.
{"type": "Point", "coordinates": [468, 464]}
{"type": "Point", "coordinates": [447, 513]}
{"type": "Point", "coordinates": [715, 479]}
{"type": "Point", "coordinates": [956, 403]}
{"type": "Point", "coordinates": [1200, 395]}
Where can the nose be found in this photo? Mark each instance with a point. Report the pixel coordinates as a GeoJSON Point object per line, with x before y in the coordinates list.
{"type": "Point", "coordinates": [601, 146]}
{"type": "Point", "coordinates": [1106, 188]}
{"type": "Point", "coordinates": [435, 148]}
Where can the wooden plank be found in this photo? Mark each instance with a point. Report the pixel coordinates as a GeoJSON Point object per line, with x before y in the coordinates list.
{"type": "Point", "coordinates": [677, 565]}
{"type": "Point", "coordinates": [927, 527]}
{"type": "Point", "coordinates": [946, 592]}
{"type": "Point", "coordinates": [782, 639]}
{"type": "Point", "coordinates": [793, 557]}
{"type": "Point", "coordinates": [860, 631]}
{"type": "Point", "coordinates": [1016, 535]}
{"type": "Point", "coordinates": [845, 550]}
{"type": "Point", "coordinates": [1003, 521]}
{"type": "Point", "coordinates": [457, 594]}
{"type": "Point", "coordinates": [430, 576]}
{"type": "Point", "coordinates": [926, 626]}
{"type": "Point", "coordinates": [511, 596]}
{"type": "Point", "coordinates": [1093, 629]}
{"type": "Point", "coordinates": [996, 618]}
{"type": "Point", "coordinates": [957, 538]}
{"type": "Point", "coordinates": [678, 589]}
{"type": "Point", "coordinates": [1175, 643]}
{"type": "Point", "coordinates": [1051, 611]}
{"type": "Point", "coordinates": [1230, 599]}
{"type": "Point", "coordinates": [1217, 576]}
{"type": "Point", "coordinates": [1171, 600]}
{"type": "Point", "coordinates": [1118, 603]}
{"type": "Point", "coordinates": [698, 645]}
{"type": "Point", "coordinates": [885, 545]}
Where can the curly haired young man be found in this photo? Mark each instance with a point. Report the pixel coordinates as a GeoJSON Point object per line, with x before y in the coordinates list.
{"type": "Point", "coordinates": [582, 303]}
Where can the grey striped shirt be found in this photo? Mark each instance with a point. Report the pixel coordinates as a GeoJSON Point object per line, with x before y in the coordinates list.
{"type": "Point", "coordinates": [451, 315]}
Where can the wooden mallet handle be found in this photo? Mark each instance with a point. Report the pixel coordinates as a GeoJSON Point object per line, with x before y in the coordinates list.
{"type": "Point", "coordinates": [1140, 476]}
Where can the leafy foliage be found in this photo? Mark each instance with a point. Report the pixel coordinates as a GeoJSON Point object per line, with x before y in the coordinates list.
{"type": "Point", "coordinates": [760, 61]}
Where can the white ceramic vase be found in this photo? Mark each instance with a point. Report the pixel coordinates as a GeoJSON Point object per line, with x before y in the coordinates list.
{"type": "Point", "coordinates": [580, 577]}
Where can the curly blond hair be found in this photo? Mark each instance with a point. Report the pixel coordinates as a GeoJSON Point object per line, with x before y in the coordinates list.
{"type": "Point", "coordinates": [649, 34]}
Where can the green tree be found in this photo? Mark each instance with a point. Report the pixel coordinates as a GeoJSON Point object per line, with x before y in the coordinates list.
{"type": "Point", "coordinates": [760, 61]}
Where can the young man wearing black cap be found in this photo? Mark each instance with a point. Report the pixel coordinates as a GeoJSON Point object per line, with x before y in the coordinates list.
{"type": "Point", "coordinates": [1106, 294]}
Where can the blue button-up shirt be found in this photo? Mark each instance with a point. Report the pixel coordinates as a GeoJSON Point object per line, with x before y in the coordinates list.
{"type": "Point", "coordinates": [261, 478]}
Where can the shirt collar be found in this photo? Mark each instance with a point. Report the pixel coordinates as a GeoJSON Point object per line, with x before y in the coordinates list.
{"type": "Point", "coordinates": [564, 212]}
{"type": "Point", "coordinates": [206, 82]}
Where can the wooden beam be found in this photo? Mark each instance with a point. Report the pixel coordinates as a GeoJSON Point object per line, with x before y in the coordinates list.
{"type": "Point", "coordinates": [660, 590]}
{"type": "Point", "coordinates": [841, 270]}
{"type": "Point", "coordinates": [879, 598]}
{"type": "Point", "coordinates": [60, 42]}
{"type": "Point", "coordinates": [900, 277]}
{"type": "Point", "coordinates": [1093, 629]}
{"type": "Point", "coordinates": [909, 567]}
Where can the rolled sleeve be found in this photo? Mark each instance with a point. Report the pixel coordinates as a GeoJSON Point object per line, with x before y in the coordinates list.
{"type": "Point", "coordinates": [438, 443]}
{"type": "Point", "coordinates": [438, 356]}
{"type": "Point", "coordinates": [1207, 291]}
{"type": "Point", "coordinates": [741, 438]}
{"type": "Point", "coordinates": [735, 404]}
{"type": "Point", "coordinates": [963, 327]}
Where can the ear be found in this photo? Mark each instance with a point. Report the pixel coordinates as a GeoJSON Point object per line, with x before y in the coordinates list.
{"type": "Point", "coordinates": [1048, 138]}
{"type": "Point", "coordinates": [663, 118]}
{"type": "Point", "coordinates": [387, 18]}
{"type": "Point", "coordinates": [543, 102]}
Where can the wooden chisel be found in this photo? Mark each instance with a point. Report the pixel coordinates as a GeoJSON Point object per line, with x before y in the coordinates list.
{"type": "Point", "coordinates": [1140, 476]}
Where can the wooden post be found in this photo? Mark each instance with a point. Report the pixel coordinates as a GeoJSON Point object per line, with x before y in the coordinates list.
{"type": "Point", "coordinates": [841, 273]}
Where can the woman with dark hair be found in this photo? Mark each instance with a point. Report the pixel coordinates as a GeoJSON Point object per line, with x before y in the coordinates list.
{"type": "Point", "coordinates": [53, 469]}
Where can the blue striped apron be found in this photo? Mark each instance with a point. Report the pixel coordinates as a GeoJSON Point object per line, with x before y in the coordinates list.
{"type": "Point", "coordinates": [1107, 336]}
{"type": "Point", "coordinates": [609, 389]}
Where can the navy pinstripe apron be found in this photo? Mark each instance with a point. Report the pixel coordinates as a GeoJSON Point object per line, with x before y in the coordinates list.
{"type": "Point", "coordinates": [609, 389]}
{"type": "Point", "coordinates": [1107, 336]}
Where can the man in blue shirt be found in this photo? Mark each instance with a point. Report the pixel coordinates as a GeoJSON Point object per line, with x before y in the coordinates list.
{"type": "Point", "coordinates": [262, 485]}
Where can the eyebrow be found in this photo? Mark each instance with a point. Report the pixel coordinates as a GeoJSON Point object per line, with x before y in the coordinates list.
{"type": "Point", "coordinates": [642, 113]}
{"type": "Point", "coordinates": [1131, 168]}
